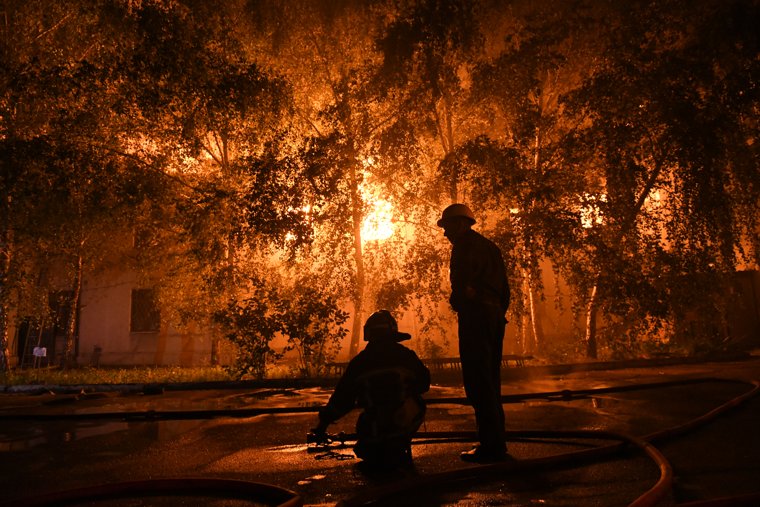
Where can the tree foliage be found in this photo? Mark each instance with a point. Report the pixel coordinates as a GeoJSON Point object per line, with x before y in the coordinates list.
{"type": "Point", "coordinates": [664, 139]}
{"type": "Point", "coordinates": [305, 314]}
{"type": "Point", "coordinates": [617, 141]}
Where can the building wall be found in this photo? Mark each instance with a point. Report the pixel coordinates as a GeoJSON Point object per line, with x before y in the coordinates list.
{"type": "Point", "coordinates": [105, 325]}
{"type": "Point", "coordinates": [744, 310]}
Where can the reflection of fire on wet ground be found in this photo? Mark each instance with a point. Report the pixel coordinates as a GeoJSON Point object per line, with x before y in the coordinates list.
{"type": "Point", "coordinates": [27, 437]}
{"type": "Point", "coordinates": [300, 397]}
{"type": "Point", "coordinates": [311, 479]}
{"type": "Point", "coordinates": [64, 434]}
{"type": "Point", "coordinates": [288, 448]}
{"type": "Point", "coordinates": [269, 393]}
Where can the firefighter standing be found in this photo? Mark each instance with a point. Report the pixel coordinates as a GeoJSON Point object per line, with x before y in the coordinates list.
{"type": "Point", "coordinates": [386, 380]}
{"type": "Point", "coordinates": [480, 297]}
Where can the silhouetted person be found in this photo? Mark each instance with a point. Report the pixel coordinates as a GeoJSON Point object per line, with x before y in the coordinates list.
{"type": "Point", "coordinates": [480, 297]}
{"type": "Point", "coordinates": [386, 380]}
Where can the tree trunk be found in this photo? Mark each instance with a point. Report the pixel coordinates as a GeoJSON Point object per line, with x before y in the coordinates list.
{"type": "Point", "coordinates": [69, 355]}
{"type": "Point", "coordinates": [591, 311]}
{"type": "Point", "coordinates": [6, 235]}
{"type": "Point", "coordinates": [524, 347]}
{"type": "Point", "coordinates": [214, 351]}
{"type": "Point", "coordinates": [593, 304]}
{"type": "Point", "coordinates": [538, 332]}
{"type": "Point", "coordinates": [215, 342]}
{"type": "Point", "coordinates": [445, 129]}
{"type": "Point", "coordinates": [4, 350]}
{"type": "Point", "coordinates": [358, 297]}
{"type": "Point", "coordinates": [454, 189]}
{"type": "Point", "coordinates": [536, 327]}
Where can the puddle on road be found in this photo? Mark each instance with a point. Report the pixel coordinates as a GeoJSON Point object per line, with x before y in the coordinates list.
{"type": "Point", "coordinates": [28, 435]}
{"type": "Point", "coordinates": [9, 445]}
{"type": "Point", "coordinates": [31, 436]}
{"type": "Point", "coordinates": [311, 479]}
{"type": "Point", "coordinates": [269, 393]}
{"type": "Point", "coordinates": [288, 448]}
{"type": "Point", "coordinates": [593, 402]}
{"type": "Point", "coordinates": [159, 403]}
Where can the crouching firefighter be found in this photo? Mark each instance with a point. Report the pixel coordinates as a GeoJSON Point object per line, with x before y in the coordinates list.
{"type": "Point", "coordinates": [386, 380]}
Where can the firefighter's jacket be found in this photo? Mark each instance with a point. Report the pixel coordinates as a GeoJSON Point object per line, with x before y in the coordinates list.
{"type": "Point", "coordinates": [382, 378]}
{"type": "Point", "coordinates": [477, 264]}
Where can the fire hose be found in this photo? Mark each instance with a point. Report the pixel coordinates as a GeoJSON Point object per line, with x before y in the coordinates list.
{"type": "Point", "coordinates": [279, 496]}
{"type": "Point", "coordinates": [186, 486]}
{"type": "Point", "coordinates": [156, 415]}
{"type": "Point", "coordinates": [648, 499]}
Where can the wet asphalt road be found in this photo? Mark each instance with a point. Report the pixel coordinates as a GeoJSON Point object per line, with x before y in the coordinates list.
{"type": "Point", "coordinates": [720, 459]}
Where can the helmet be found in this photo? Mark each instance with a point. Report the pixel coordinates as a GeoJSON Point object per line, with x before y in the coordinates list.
{"type": "Point", "coordinates": [456, 211]}
{"type": "Point", "coordinates": [382, 324]}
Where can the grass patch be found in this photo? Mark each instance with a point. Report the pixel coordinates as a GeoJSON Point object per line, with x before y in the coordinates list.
{"type": "Point", "coordinates": [107, 375]}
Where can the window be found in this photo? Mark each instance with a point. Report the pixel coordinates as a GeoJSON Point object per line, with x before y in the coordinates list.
{"type": "Point", "coordinates": [145, 316]}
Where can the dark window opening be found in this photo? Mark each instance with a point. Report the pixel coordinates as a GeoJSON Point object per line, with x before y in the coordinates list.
{"type": "Point", "coordinates": [145, 315]}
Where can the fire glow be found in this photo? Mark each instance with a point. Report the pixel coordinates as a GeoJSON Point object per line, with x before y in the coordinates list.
{"type": "Point", "coordinates": [378, 223]}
